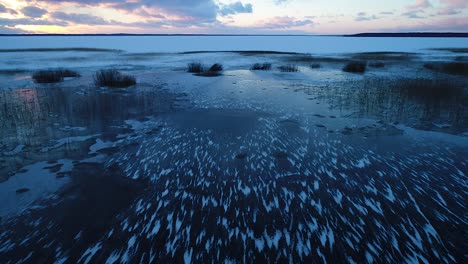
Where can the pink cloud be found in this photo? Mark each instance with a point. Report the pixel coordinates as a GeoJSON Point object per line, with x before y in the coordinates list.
{"type": "Point", "coordinates": [452, 7]}
{"type": "Point", "coordinates": [420, 4]}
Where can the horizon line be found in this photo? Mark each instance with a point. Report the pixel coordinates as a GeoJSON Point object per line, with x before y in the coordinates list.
{"type": "Point", "coordinates": [365, 34]}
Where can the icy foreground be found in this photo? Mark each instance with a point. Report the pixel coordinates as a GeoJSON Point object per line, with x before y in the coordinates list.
{"type": "Point", "coordinates": [243, 167]}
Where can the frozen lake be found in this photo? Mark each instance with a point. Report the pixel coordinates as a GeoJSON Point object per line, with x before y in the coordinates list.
{"type": "Point", "coordinates": [300, 44]}
{"type": "Point", "coordinates": [313, 165]}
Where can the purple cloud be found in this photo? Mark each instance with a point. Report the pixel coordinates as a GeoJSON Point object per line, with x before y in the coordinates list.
{"type": "Point", "coordinates": [3, 10]}
{"type": "Point", "coordinates": [201, 10]}
{"type": "Point", "coordinates": [83, 19]}
{"type": "Point", "coordinates": [33, 11]}
{"type": "Point", "coordinates": [420, 4]}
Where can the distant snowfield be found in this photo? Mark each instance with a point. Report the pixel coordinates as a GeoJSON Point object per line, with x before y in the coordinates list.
{"type": "Point", "coordinates": [301, 44]}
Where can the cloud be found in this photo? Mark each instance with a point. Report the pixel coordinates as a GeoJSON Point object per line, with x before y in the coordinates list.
{"type": "Point", "coordinates": [200, 10]}
{"type": "Point", "coordinates": [193, 16]}
{"type": "Point", "coordinates": [235, 8]}
{"type": "Point", "coordinates": [413, 14]}
{"type": "Point", "coordinates": [452, 7]}
{"type": "Point", "coordinates": [362, 16]}
{"type": "Point", "coordinates": [83, 19]}
{"type": "Point", "coordinates": [205, 10]}
{"type": "Point", "coordinates": [10, 30]}
{"type": "Point", "coordinates": [32, 11]}
{"type": "Point", "coordinates": [285, 22]}
{"type": "Point", "coordinates": [29, 21]}
{"type": "Point", "coordinates": [420, 4]}
{"type": "Point", "coordinates": [452, 24]}
{"type": "Point", "coordinates": [4, 9]}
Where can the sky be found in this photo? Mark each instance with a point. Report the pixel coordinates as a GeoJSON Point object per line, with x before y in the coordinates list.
{"type": "Point", "coordinates": [232, 16]}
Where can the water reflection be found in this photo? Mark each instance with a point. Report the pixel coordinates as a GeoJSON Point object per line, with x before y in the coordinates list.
{"type": "Point", "coordinates": [424, 104]}
{"type": "Point", "coordinates": [32, 118]}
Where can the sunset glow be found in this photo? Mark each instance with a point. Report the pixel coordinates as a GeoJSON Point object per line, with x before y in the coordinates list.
{"type": "Point", "coordinates": [231, 16]}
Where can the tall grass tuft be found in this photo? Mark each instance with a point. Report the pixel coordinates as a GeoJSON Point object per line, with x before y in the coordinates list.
{"type": "Point", "coordinates": [261, 67]}
{"type": "Point", "coordinates": [289, 68]}
{"type": "Point", "coordinates": [459, 68]}
{"type": "Point", "coordinates": [315, 66]}
{"type": "Point", "coordinates": [355, 67]}
{"type": "Point", "coordinates": [200, 70]}
{"type": "Point", "coordinates": [430, 90]}
{"type": "Point", "coordinates": [113, 78]}
{"type": "Point", "coordinates": [53, 76]}
{"type": "Point", "coordinates": [195, 67]}
{"type": "Point", "coordinates": [216, 68]}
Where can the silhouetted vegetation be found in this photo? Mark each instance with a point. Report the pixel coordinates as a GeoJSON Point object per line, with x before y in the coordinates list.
{"type": "Point", "coordinates": [67, 73]}
{"type": "Point", "coordinates": [417, 102]}
{"type": "Point", "coordinates": [377, 64]}
{"type": "Point", "coordinates": [460, 68]}
{"type": "Point", "coordinates": [47, 77]}
{"type": "Point", "coordinates": [53, 76]}
{"type": "Point", "coordinates": [315, 65]}
{"type": "Point", "coordinates": [261, 67]}
{"type": "Point", "coordinates": [200, 70]}
{"type": "Point", "coordinates": [430, 90]}
{"type": "Point", "coordinates": [195, 67]}
{"type": "Point", "coordinates": [355, 67]}
{"type": "Point", "coordinates": [113, 78]}
{"type": "Point", "coordinates": [289, 68]}
{"type": "Point", "coordinates": [216, 68]}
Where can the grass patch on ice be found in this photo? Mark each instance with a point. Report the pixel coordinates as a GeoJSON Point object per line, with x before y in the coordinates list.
{"type": "Point", "coordinates": [417, 102]}
{"type": "Point", "coordinates": [113, 78]}
{"type": "Point", "coordinates": [430, 90]}
{"type": "Point", "coordinates": [315, 66]}
{"type": "Point", "coordinates": [195, 67]}
{"type": "Point", "coordinates": [53, 75]}
{"type": "Point", "coordinates": [200, 70]}
{"type": "Point", "coordinates": [458, 68]}
{"type": "Point", "coordinates": [261, 67]}
{"type": "Point", "coordinates": [355, 67]}
{"type": "Point", "coordinates": [289, 68]}
{"type": "Point", "coordinates": [216, 68]}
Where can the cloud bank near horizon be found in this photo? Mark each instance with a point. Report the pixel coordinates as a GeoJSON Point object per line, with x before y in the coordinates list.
{"type": "Point", "coordinates": [230, 16]}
